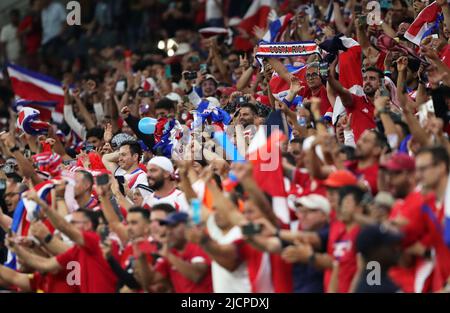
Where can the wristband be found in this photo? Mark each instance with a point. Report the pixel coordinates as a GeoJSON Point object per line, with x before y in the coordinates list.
{"type": "Point", "coordinates": [48, 238]}
{"type": "Point", "coordinates": [14, 149]}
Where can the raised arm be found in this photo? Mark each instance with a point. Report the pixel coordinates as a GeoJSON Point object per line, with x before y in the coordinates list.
{"type": "Point", "coordinates": [337, 88]}
{"type": "Point", "coordinates": [70, 118]}
{"type": "Point", "coordinates": [15, 278]}
{"type": "Point", "coordinates": [104, 194]}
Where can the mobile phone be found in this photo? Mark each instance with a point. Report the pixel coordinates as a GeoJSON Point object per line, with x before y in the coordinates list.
{"type": "Point", "coordinates": [241, 100]}
{"type": "Point", "coordinates": [104, 233]}
{"type": "Point", "coordinates": [190, 75]}
{"type": "Point", "coordinates": [102, 179]}
{"type": "Point", "coordinates": [323, 70]}
{"type": "Point", "coordinates": [121, 86]}
{"type": "Point", "coordinates": [89, 147]}
{"type": "Point", "coordinates": [203, 68]}
{"type": "Point", "coordinates": [168, 71]}
{"type": "Point", "coordinates": [384, 92]}
{"type": "Point", "coordinates": [2, 184]}
{"type": "Point", "coordinates": [363, 20]}
{"type": "Point", "coordinates": [251, 229]}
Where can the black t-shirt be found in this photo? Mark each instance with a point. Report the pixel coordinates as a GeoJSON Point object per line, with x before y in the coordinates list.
{"type": "Point", "coordinates": [386, 285]}
{"type": "Point", "coordinates": [307, 278]}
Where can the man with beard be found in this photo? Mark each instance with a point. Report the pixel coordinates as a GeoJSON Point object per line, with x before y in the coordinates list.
{"type": "Point", "coordinates": [361, 107]}
{"type": "Point", "coordinates": [369, 148]}
{"type": "Point", "coordinates": [160, 179]}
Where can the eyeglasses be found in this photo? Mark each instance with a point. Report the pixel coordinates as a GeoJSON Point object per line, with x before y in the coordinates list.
{"type": "Point", "coordinates": [311, 75]}
{"type": "Point", "coordinates": [424, 167]}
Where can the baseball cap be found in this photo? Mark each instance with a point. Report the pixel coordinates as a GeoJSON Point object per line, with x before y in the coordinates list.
{"type": "Point", "coordinates": [209, 76]}
{"type": "Point", "coordinates": [315, 201]}
{"type": "Point", "coordinates": [374, 236]}
{"type": "Point", "coordinates": [340, 178]}
{"type": "Point", "coordinates": [163, 163]}
{"type": "Point", "coordinates": [399, 162]}
{"type": "Point", "coordinates": [175, 218]}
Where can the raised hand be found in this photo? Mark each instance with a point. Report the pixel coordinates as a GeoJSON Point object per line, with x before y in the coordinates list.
{"type": "Point", "coordinates": [402, 63]}
{"type": "Point", "coordinates": [108, 134]}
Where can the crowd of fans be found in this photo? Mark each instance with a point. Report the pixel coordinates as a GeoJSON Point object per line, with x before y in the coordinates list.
{"type": "Point", "coordinates": [167, 210]}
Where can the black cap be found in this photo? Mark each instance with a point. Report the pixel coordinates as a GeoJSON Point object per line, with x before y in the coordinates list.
{"type": "Point", "coordinates": [175, 218]}
{"type": "Point", "coordinates": [374, 236]}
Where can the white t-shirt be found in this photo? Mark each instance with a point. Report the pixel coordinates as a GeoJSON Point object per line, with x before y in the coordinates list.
{"type": "Point", "coordinates": [133, 179]}
{"type": "Point", "coordinates": [52, 18]}
{"type": "Point", "coordinates": [213, 9]}
{"type": "Point", "coordinates": [11, 39]}
{"type": "Point", "coordinates": [225, 281]}
{"type": "Point", "coordinates": [176, 198]}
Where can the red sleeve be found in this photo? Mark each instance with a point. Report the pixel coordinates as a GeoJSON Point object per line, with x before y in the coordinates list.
{"type": "Point", "coordinates": [162, 266]}
{"type": "Point", "coordinates": [68, 256]}
{"type": "Point", "coordinates": [91, 242]}
{"type": "Point", "coordinates": [380, 60]}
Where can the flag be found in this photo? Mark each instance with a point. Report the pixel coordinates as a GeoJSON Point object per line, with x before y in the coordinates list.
{"type": "Point", "coordinates": [207, 111]}
{"type": "Point", "coordinates": [44, 107]}
{"type": "Point", "coordinates": [265, 154]}
{"type": "Point", "coordinates": [42, 92]}
{"type": "Point", "coordinates": [279, 87]}
{"type": "Point", "coordinates": [423, 23]}
{"type": "Point", "coordinates": [349, 53]}
{"type": "Point", "coordinates": [256, 14]}
{"type": "Point", "coordinates": [28, 120]}
{"type": "Point", "coordinates": [25, 212]}
{"type": "Point", "coordinates": [277, 28]}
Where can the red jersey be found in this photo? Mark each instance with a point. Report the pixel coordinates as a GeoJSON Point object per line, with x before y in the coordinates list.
{"type": "Point", "coordinates": [192, 253]}
{"type": "Point", "coordinates": [95, 273]}
{"type": "Point", "coordinates": [368, 174]}
{"type": "Point", "coordinates": [325, 105]}
{"type": "Point", "coordinates": [51, 283]}
{"type": "Point", "coordinates": [422, 226]}
{"type": "Point", "coordinates": [342, 246]}
{"type": "Point", "coordinates": [362, 111]}
{"type": "Point", "coordinates": [444, 55]}
{"type": "Point", "coordinates": [267, 272]}
{"type": "Point", "coordinates": [306, 184]}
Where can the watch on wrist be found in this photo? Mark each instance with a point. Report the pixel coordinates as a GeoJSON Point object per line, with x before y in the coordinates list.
{"type": "Point", "coordinates": [48, 238]}
{"type": "Point", "coordinates": [14, 149]}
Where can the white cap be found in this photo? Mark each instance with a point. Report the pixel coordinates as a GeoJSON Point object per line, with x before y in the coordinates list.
{"type": "Point", "coordinates": [315, 201]}
{"type": "Point", "coordinates": [163, 163]}
{"type": "Point", "coordinates": [173, 96]}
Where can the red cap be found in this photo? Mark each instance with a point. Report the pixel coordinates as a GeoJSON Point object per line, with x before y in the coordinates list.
{"type": "Point", "coordinates": [399, 162]}
{"type": "Point", "coordinates": [340, 178]}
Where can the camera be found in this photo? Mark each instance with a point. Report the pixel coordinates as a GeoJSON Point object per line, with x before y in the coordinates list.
{"type": "Point", "coordinates": [251, 229]}
{"type": "Point", "coordinates": [241, 100]}
{"type": "Point", "coordinates": [190, 75]}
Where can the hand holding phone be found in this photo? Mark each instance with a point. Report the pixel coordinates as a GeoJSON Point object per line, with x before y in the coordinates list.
{"type": "Point", "coordinates": [102, 180]}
